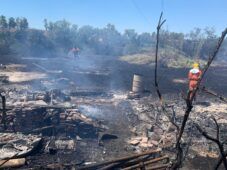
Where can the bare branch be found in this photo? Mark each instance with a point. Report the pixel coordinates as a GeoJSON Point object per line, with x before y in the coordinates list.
{"type": "Point", "coordinates": [214, 94]}
{"type": "Point", "coordinates": [172, 119]}
{"type": "Point", "coordinates": [205, 134]}
{"type": "Point", "coordinates": [216, 140]}
{"type": "Point", "coordinates": [217, 127]}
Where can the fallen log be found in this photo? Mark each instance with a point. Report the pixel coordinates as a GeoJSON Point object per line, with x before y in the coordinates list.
{"type": "Point", "coordinates": [164, 166]}
{"type": "Point", "coordinates": [12, 163]}
{"type": "Point", "coordinates": [110, 166]}
{"type": "Point", "coordinates": [141, 164]}
{"type": "Point", "coordinates": [53, 166]}
{"type": "Point", "coordinates": [126, 163]}
{"type": "Point", "coordinates": [43, 128]}
{"type": "Point", "coordinates": [46, 70]}
{"type": "Point", "coordinates": [52, 126]}
{"type": "Point", "coordinates": [136, 161]}
{"type": "Point", "coordinates": [119, 159]}
{"type": "Point", "coordinates": [37, 106]}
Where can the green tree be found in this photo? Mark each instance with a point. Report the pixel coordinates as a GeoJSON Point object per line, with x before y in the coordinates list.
{"type": "Point", "coordinates": [131, 43]}
{"type": "Point", "coordinates": [23, 24]}
{"type": "Point", "coordinates": [145, 40]}
{"type": "Point", "coordinates": [109, 41]}
{"type": "Point", "coordinates": [60, 33]}
{"type": "Point", "coordinates": [12, 23]}
{"type": "Point", "coordinates": [45, 24]}
{"type": "Point", "coordinates": [209, 42]}
{"type": "Point", "coordinates": [18, 21]}
{"type": "Point", "coordinates": [3, 22]}
{"type": "Point", "coordinates": [39, 44]}
{"type": "Point", "coordinates": [86, 35]}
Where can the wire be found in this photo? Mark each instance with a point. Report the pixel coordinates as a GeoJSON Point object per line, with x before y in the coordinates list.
{"type": "Point", "coordinates": [140, 12]}
{"type": "Point", "coordinates": [162, 5]}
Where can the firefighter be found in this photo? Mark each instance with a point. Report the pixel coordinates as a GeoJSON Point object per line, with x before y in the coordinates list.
{"type": "Point", "coordinates": [193, 77]}
{"type": "Point", "coordinates": [73, 53]}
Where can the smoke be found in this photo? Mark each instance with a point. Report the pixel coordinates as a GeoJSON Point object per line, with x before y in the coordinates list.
{"type": "Point", "coordinates": [91, 111]}
{"type": "Point", "coordinates": [84, 72]}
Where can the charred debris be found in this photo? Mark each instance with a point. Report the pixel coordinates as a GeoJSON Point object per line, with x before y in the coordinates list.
{"type": "Point", "coordinates": [82, 129]}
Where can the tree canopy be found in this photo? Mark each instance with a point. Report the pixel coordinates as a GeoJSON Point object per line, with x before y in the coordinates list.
{"type": "Point", "coordinates": [59, 37]}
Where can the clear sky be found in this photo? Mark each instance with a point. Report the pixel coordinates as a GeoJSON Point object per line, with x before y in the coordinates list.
{"type": "Point", "coordinates": [141, 15]}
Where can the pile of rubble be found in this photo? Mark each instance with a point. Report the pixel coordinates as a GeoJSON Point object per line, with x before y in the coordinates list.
{"type": "Point", "coordinates": [50, 115]}
{"type": "Point", "coordinates": [152, 128]}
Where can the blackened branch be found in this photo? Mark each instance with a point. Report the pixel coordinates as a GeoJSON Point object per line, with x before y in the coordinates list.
{"type": "Point", "coordinates": [213, 94]}
{"type": "Point", "coordinates": [217, 141]}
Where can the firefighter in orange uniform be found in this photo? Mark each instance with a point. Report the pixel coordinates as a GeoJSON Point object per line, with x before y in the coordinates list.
{"type": "Point", "coordinates": [194, 76]}
{"type": "Point", "coordinates": [73, 53]}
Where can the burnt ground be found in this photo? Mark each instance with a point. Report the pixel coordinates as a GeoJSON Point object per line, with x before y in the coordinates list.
{"type": "Point", "coordinates": [89, 149]}
{"type": "Point", "coordinates": [109, 73]}
{"type": "Point", "coordinates": [99, 86]}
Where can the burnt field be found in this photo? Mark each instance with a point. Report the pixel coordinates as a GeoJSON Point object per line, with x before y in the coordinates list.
{"type": "Point", "coordinates": [106, 73]}
{"type": "Point", "coordinates": [81, 112]}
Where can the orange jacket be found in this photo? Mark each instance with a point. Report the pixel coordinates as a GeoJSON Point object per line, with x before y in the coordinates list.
{"type": "Point", "coordinates": [193, 76]}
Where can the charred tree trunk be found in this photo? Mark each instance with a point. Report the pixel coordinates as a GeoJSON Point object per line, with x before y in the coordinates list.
{"type": "Point", "coordinates": [189, 101]}
{"type": "Point", "coordinates": [160, 23]}
{"type": "Point", "coordinates": [3, 111]}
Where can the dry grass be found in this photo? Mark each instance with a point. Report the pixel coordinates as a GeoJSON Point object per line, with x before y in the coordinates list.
{"type": "Point", "coordinates": [15, 75]}
{"type": "Point", "coordinates": [169, 57]}
{"type": "Point", "coordinates": [18, 76]}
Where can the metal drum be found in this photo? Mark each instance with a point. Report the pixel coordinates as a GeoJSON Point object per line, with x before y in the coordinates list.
{"type": "Point", "coordinates": [137, 84]}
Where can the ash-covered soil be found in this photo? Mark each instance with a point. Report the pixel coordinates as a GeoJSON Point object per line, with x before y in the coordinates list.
{"type": "Point", "coordinates": [112, 125]}
{"type": "Point", "coordinates": [131, 120]}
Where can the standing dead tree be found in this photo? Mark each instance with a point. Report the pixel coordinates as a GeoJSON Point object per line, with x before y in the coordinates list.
{"type": "Point", "coordinates": [3, 121]}
{"type": "Point", "coordinates": [189, 102]}
{"type": "Point", "coordinates": [217, 141]}
{"type": "Point", "coordinates": [160, 23]}
{"type": "Point", "coordinates": [163, 106]}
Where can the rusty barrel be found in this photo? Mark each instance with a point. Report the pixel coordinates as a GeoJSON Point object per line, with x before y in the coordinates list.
{"type": "Point", "coordinates": [137, 84]}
